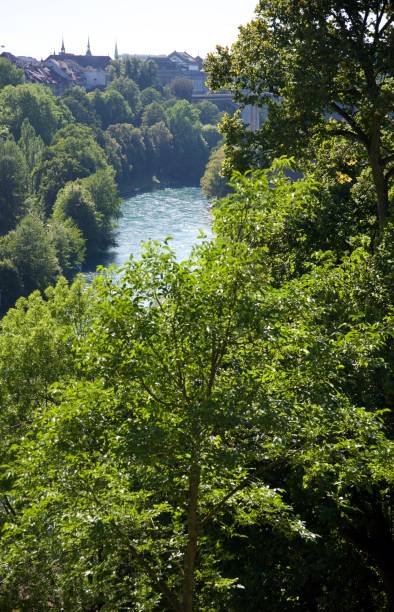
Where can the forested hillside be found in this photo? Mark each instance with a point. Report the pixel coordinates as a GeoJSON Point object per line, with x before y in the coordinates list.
{"type": "Point", "coordinates": [63, 161]}
{"type": "Point", "coordinates": [217, 434]}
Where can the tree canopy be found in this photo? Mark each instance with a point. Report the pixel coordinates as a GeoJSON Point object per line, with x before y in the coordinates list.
{"type": "Point", "coordinates": [325, 66]}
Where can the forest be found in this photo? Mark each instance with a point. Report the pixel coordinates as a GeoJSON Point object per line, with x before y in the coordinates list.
{"type": "Point", "coordinates": [214, 434]}
{"type": "Point", "coordinates": [64, 161]}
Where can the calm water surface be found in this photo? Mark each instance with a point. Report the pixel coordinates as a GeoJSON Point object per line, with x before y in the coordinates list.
{"type": "Point", "coordinates": [178, 212]}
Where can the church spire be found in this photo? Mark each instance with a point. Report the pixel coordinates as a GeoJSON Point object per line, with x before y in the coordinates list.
{"type": "Point", "coordinates": [88, 52]}
{"type": "Point", "coordinates": [116, 51]}
{"type": "Point", "coordinates": [63, 49]}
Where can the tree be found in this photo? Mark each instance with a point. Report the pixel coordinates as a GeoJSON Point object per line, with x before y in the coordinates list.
{"type": "Point", "coordinates": [182, 88]}
{"type": "Point", "coordinates": [160, 149]}
{"type": "Point", "coordinates": [132, 150]}
{"type": "Point", "coordinates": [129, 90]}
{"type": "Point", "coordinates": [13, 185]}
{"type": "Point", "coordinates": [213, 183]}
{"type": "Point", "coordinates": [149, 95]}
{"type": "Point", "coordinates": [352, 96]}
{"type": "Point", "coordinates": [191, 151]}
{"type": "Point", "coordinates": [153, 113]}
{"type": "Point", "coordinates": [211, 135]}
{"type": "Point", "coordinates": [75, 202]}
{"type": "Point", "coordinates": [142, 72]}
{"type": "Point", "coordinates": [80, 105]}
{"type": "Point", "coordinates": [73, 154]}
{"type": "Point", "coordinates": [30, 250]}
{"type": "Point", "coordinates": [9, 74]}
{"type": "Point", "coordinates": [35, 351]}
{"type": "Point", "coordinates": [147, 75]}
{"type": "Point", "coordinates": [69, 245]}
{"type": "Point", "coordinates": [32, 147]}
{"type": "Point", "coordinates": [114, 154]}
{"type": "Point", "coordinates": [225, 432]}
{"type": "Point", "coordinates": [169, 376]}
{"type": "Point", "coordinates": [342, 324]}
{"type": "Point", "coordinates": [10, 285]}
{"type": "Point", "coordinates": [102, 188]}
{"type": "Point", "coordinates": [91, 204]}
{"type": "Point", "coordinates": [209, 112]}
{"type": "Point", "coordinates": [111, 107]}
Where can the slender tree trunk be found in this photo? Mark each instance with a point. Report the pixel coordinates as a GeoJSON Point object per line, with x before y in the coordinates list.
{"type": "Point", "coordinates": [192, 537]}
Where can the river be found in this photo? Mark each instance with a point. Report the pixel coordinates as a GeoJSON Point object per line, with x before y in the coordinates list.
{"type": "Point", "coordinates": [178, 212]}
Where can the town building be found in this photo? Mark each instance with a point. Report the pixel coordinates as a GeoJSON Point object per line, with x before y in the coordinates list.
{"type": "Point", "coordinates": [180, 64]}
{"type": "Point", "coordinates": [60, 71]}
{"type": "Point", "coordinates": [92, 68]}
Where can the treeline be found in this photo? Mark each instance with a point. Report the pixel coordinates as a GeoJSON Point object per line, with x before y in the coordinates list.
{"type": "Point", "coordinates": [64, 159]}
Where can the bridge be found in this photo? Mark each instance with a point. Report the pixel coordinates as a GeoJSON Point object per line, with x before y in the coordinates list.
{"type": "Point", "coordinates": [250, 114]}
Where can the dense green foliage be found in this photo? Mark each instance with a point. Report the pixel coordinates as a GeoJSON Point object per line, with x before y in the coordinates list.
{"type": "Point", "coordinates": [9, 74]}
{"type": "Point", "coordinates": [218, 434]}
{"type": "Point", "coordinates": [214, 183]}
{"type": "Point", "coordinates": [14, 185]}
{"type": "Point", "coordinates": [214, 434]}
{"type": "Point", "coordinates": [36, 103]}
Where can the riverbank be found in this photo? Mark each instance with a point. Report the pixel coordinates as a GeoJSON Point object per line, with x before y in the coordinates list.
{"type": "Point", "coordinates": [148, 185]}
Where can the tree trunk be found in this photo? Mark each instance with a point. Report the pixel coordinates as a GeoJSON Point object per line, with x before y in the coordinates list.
{"type": "Point", "coordinates": [192, 536]}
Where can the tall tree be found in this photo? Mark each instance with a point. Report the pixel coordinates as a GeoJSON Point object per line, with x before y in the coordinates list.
{"type": "Point", "coordinates": [32, 147]}
{"type": "Point", "coordinates": [169, 379]}
{"type": "Point", "coordinates": [330, 66]}
{"type": "Point", "coordinates": [13, 185]}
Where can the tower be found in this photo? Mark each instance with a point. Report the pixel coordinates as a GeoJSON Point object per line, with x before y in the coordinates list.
{"type": "Point", "coordinates": [63, 49]}
{"type": "Point", "coordinates": [116, 55]}
{"type": "Point", "coordinates": [88, 52]}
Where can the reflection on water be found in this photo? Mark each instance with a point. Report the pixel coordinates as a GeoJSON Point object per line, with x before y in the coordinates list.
{"type": "Point", "coordinates": [178, 212]}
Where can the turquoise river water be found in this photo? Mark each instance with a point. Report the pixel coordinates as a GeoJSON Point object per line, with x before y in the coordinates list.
{"type": "Point", "coordinates": [178, 212]}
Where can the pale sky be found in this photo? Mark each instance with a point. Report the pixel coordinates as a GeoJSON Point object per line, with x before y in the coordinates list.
{"type": "Point", "coordinates": [35, 27]}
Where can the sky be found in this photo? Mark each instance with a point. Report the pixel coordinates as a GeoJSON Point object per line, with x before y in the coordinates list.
{"type": "Point", "coordinates": [35, 27]}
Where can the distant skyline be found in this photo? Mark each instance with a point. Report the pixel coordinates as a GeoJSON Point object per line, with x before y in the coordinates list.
{"type": "Point", "coordinates": [36, 28]}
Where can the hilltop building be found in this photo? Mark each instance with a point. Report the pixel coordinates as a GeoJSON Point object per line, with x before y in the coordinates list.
{"type": "Point", "coordinates": [60, 71]}
{"type": "Point", "coordinates": [92, 68]}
